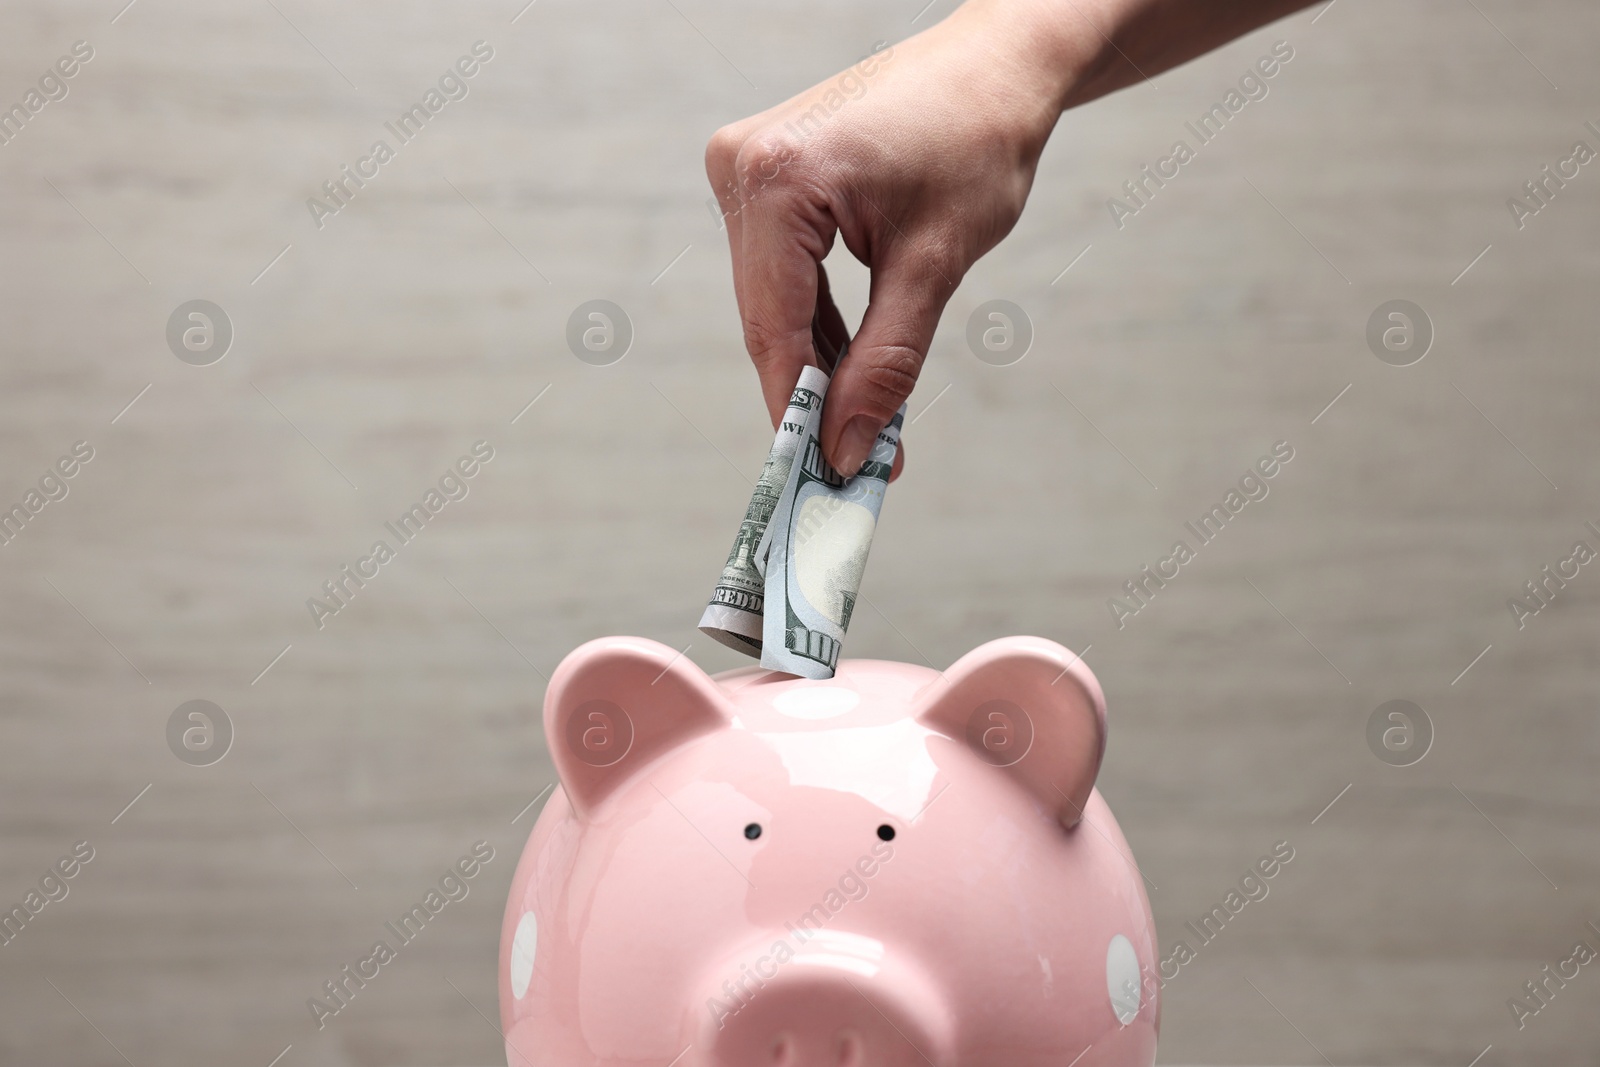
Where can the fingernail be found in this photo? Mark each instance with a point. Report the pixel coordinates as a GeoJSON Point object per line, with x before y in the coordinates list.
{"type": "Point", "coordinates": [855, 443]}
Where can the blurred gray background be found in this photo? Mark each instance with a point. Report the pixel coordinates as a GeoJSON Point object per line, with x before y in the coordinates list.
{"type": "Point", "coordinates": [370, 353]}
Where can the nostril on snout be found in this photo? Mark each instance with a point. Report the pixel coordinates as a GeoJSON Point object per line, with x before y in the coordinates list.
{"type": "Point", "coordinates": [849, 1049]}
{"type": "Point", "coordinates": [783, 1051]}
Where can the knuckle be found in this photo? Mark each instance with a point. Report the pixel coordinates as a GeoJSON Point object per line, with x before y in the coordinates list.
{"type": "Point", "coordinates": [722, 149]}
{"type": "Point", "coordinates": [765, 159]}
{"type": "Point", "coordinates": [887, 378]}
{"type": "Point", "coordinates": [768, 346]}
{"type": "Point", "coordinates": [937, 263]}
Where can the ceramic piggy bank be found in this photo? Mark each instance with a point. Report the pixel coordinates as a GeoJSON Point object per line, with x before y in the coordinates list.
{"type": "Point", "coordinates": [896, 866]}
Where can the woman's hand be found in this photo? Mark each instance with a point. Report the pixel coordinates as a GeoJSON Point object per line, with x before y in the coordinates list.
{"type": "Point", "coordinates": [920, 157]}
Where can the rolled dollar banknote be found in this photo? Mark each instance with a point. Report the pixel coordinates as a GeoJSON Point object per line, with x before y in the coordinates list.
{"type": "Point", "coordinates": [734, 614]}
{"type": "Point", "coordinates": [817, 541]}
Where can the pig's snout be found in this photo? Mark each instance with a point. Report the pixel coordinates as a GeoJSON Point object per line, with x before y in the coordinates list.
{"type": "Point", "coordinates": [838, 1002]}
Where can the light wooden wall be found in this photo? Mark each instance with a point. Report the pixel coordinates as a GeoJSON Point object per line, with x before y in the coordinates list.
{"type": "Point", "coordinates": [1222, 318]}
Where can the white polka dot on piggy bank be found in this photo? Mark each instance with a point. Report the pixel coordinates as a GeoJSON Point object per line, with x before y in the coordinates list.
{"type": "Point", "coordinates": [1122, 979]}
{"type": "Point", "coordinates": [524, 948]}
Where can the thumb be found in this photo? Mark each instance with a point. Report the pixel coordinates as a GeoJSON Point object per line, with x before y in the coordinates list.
{"type": "Point", "coordinates": [875, 377]}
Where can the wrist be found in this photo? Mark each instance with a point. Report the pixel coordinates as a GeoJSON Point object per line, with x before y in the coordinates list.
{"type": "Point", "coordinates": [1054, 46]}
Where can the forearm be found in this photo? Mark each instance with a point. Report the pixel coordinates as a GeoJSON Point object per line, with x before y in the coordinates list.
{"type": "Point", "coordinates": [1084, 49]}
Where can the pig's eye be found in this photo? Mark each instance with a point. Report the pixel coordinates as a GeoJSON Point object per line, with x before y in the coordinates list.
{"type": "Point", "coordinates": [753, 831]}
{"type": "Point", "coordinates": [886, 832]}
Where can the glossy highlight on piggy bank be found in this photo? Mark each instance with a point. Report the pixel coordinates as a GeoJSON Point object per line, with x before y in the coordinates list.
{"type": "Point", "coordinates": [894, 867]}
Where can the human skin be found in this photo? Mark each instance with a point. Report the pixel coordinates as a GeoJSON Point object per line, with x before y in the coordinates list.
{"type": "Point", "coordinates": [920, 174]}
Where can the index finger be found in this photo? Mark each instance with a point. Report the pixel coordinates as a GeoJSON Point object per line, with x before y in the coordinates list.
{"type": "Point", "coordinates": [777, 287]}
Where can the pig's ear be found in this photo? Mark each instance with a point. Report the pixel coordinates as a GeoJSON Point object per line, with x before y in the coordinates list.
{"type": "Point", "coordinates": [617, 703]}
{"type": "Point", "coordinates": [1033, 710]}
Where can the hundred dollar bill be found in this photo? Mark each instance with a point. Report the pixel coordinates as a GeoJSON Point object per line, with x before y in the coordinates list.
{"type": "Point", "coordinates": [818, 538]}
{"type": "Point", "coordinates": [734, 614]}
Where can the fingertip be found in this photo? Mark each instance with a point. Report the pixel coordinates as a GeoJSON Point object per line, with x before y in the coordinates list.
{"type": "Point", "coordinates": [853, 444]}
{"type": "Point", "coordinates": [870, 386]}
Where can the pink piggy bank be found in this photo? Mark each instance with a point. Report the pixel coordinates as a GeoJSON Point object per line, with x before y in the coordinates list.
{"type": "Point", "coordinates": [896, 866]}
